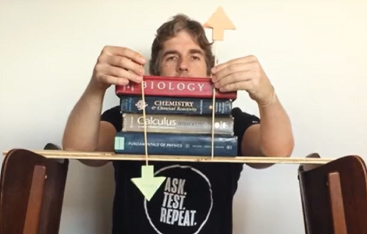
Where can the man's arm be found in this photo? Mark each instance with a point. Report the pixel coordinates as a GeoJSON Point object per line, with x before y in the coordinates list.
{"type": "Point", "coordinates": [273, 136]}
{"type": "Point", "coordinates": [84, 131]}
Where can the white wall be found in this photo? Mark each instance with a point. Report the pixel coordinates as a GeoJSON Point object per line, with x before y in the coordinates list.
{"type": "Point", "coordinates": [315, 53]}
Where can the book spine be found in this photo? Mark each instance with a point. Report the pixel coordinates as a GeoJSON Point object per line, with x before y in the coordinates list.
{"type": "Point", "coordinates": [177, 124]}
{"type": "Point", "coordinates": [175, 144]}
{"type": "Point", "coordinates": [172, 105]}
{"type": "Point", "coordinates": [176, 87]}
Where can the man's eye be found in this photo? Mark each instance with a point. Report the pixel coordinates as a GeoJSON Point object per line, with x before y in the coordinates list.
{"type": "Point", "coordinates": [171, 58]}
{"type": "Point", "coordinates": [195, 57]}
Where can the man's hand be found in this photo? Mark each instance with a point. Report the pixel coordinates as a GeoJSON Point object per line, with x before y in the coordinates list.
{"type": "Point", "coordinates": [118, 66]}
{"type": "Point", "coordinates": [244, 74]}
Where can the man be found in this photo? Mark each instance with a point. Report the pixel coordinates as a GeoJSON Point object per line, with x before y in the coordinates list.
{"type": "Point", "coordinates": [195, 197]}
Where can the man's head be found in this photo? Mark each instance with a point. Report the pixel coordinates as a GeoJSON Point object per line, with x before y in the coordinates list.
{"type": "Point", "coordinates": [181, 49]}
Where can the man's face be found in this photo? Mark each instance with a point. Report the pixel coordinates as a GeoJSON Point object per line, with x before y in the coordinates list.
{"type": "Point", "coordinates": [181, 56]}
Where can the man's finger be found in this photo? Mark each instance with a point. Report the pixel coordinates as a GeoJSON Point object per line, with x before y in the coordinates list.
{"type": "Point", "coordinates": [229, 70]}
{"type": "Point", "coordinates": [242, 85]}
{"type": "Point", "coordinates": [125, 63]}
{"type": "Point", "coordinates": [121, 73]}
{"type": "Point", "coordinates": [247, 59]}
{"type": "Point", "coordinates": [125, 52]}
{"type": "Point", "coordinates": [233, 78]}
{"type": "Point", "coordinates": [113, 80]}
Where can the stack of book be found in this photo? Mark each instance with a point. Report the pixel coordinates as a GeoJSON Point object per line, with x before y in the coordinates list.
{"type": "Point", "coordinates": [178, 118]}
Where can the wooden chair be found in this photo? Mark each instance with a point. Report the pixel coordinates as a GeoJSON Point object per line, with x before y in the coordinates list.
{"type": "Point", "coordinates": [334, 196]}
{"type": "Point", "coordinates": [32, 191]}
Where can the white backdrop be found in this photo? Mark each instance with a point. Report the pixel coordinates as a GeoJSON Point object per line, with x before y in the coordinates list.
{"type": "Point", "coordinates": [315, 53]}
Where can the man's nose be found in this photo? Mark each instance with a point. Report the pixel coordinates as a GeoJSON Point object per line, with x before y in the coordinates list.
{"type": "Point", "coordinates": [183, 64]}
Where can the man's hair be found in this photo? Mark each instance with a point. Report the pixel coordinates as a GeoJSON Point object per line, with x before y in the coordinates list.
{"type": "Point", "coordinates": [169, 29]}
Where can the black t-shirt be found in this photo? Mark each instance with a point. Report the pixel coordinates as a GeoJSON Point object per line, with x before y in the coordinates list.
{"type": "Point", "coordinates": [194, 198]}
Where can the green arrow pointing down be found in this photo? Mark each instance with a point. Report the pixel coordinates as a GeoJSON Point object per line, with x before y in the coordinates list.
{"type": "Point", "coordinates": [148, 184]}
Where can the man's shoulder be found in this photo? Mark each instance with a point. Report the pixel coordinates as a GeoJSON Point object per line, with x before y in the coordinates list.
{"type": "Point", "coordinates": [114, 109]}
{"type": "Point", "coordinates": [113, 116]}
{"type": "Point", "coordinates": [244, 117]}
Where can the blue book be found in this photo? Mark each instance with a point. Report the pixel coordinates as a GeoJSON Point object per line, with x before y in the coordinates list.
{"type": "Point", "coordinates": [175, 144]}
{"type": "Point", "coordinates": [175, 105]}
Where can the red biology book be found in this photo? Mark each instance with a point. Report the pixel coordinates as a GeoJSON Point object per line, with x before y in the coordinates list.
{"type": "Point", "coordinates": [173, 87]}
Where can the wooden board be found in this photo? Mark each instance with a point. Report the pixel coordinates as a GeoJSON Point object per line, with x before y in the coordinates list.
{"type": "Point", "coordinates": [60, 154]}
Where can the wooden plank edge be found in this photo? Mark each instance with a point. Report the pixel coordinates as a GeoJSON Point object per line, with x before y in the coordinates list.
{"type": "Point", "coordinates": [60, 154]}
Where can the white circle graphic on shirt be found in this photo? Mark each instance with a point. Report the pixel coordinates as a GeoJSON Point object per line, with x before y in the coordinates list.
{"type": "Point", "coordinates": [180, 205]}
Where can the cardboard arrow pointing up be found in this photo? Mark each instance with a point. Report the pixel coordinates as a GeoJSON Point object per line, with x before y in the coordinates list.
{"type": "Point", "coordinates": [219, 22]}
